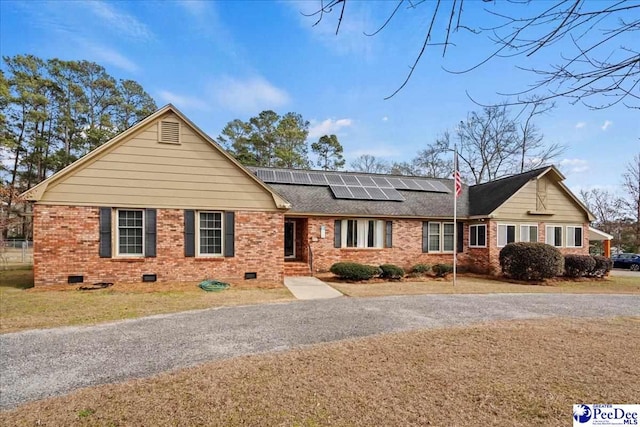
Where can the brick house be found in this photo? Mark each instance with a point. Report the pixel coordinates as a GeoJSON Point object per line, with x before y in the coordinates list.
{"type": "Point", "coordinates": [162, 201]}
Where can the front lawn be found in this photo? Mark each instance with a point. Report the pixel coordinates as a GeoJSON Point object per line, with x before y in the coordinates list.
{"type": "Point", "coordinates": [23, 307]}
{"type": "Point", "coordinates": [516, 373]}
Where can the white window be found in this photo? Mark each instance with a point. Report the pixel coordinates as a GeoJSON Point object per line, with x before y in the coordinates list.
{"type": "Point", "coordinates": [440, 237]}
{"type": "Point", "coordinates": [478, 236]}
{"type": "Point", "coordinates": [529, 233]}
{"type": "Point", "coordinates": [506, 234]}
{"type": "Point", "coordinates": [574, 236]}
{"type": "Point", "coordinates": [554, 235]}
{"type": "Point", "coordinates": [362, 233]}
{"type": "Point", "coordinates": [130, 231]}
{"type": "Point", "coordinates": [209, 233]}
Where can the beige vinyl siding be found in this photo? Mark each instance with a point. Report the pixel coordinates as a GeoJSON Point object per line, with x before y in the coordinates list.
{"type": "Point", "coordinates": [559, 203]}
{"type": "Point", "coordinates": [143, 172]}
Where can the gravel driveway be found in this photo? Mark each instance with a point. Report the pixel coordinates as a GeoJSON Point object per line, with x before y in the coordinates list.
{"type": "Point", "coordinates": [41, 363]}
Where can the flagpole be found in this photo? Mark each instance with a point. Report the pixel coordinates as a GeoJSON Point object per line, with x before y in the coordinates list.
{"type": "Point", "coordinates": [455, 211]}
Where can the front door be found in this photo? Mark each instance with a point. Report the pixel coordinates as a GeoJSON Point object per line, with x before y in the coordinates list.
{"type": "Point", "coordinates": [289, 239]}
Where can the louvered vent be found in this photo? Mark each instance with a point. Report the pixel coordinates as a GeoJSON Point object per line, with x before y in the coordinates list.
{"type": "Point", "coordinates": [169, 132]}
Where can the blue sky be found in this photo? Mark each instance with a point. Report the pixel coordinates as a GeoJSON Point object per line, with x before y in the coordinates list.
{"type": "Point", "coordinates": [218, 61]}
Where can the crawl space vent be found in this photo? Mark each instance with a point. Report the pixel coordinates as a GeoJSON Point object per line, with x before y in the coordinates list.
{"type": "Point", "coordinates": [75, 279]}
{"type": "Point", "coordinates": [169, 132]}
{"type": "Point", "coordinates": [149, 277]}
{"type": "Point", "coordinates": [248, 276]}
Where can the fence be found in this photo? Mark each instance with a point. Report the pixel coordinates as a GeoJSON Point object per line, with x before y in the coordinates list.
{"type": "Point", "coordinates": [15, 252]}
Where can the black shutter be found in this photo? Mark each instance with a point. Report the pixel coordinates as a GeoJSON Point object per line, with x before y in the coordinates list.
{"type": "Point", "coordinates": [388, 236]}
{"type": "Point", "coordinates": [425, 237]}
{"type": "Point", "coordinates": [337, 234]}
{"type": "Point", "coordinates": [150, 233]}
{"type": "Point", "coordinates": [460, 237]}
{"type": "Point", "coordinates": [229, 234]}
{"type": "Point", "coordinates": [105, 233]}
{"type": "Point", "coordinates": [189, 233]}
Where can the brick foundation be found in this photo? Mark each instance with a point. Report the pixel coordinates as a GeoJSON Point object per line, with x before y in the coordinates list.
{"type": "Point", "coordinates": [66, 242]}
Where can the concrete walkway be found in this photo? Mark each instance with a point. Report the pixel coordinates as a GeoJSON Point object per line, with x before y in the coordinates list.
{"type": "Point", "coordinates": [305, 287]}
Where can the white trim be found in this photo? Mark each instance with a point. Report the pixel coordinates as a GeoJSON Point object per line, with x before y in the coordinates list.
{"type": "Point", "coordinates": [515, 237]}
{"type": "Point", "coordinates": [197, 235]}
{"type": "Point", "coordinates": [598, 235]}
{"type": "Point", "coordinates": [546, 237]}
{"type": "Point", "coordinates": [440, 235]}
{"type": "Point", "coordinates": [485, 235]}
{"type": "Point", "coordinates": [362, 231]}
{"type": "Point", "coordinates": [116, 224]}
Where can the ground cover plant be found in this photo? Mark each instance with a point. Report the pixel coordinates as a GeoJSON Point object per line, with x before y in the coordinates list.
{"type": "Point", "coordinates": [518, 373]}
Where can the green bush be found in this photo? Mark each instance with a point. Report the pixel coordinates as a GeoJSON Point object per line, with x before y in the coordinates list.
{"type": "Point", "coordinates": [578, 265]}
{"type": "Point", "coordinates": [420, 269]}
{"type": "Point", "coordinates": [354, 271]}
{"type": "Point", "coordinates": [441, 270]}
{"type": "Point", "coordinates": [391, 271]}
{"type": "Point", "coordinates": [531, 261]}
{"type": "Point", "coordinates": [602, 267]}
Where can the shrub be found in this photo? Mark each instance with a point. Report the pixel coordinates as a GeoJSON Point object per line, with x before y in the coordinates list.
{"type": "Point", "coordinates": [531, 261]}
{"type": "Point", "coordinates": [441, 270]}
{"type": "Point", "coordinates": [420, 269]}
{"type": "Point", "coordinates": [391, 271]}
{"type": "Point", "coordinates": [602, 267]}
{"type": "Point", "coordinates": [354, 271]}
{"type": "Point", "coordinates": [578, 265]}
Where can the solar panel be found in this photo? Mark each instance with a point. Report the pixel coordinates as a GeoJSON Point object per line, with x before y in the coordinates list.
{"type": "Point", "coordinates": [359, 193]}
{"type": "Point", "coordinates": [426, 185]}
{"type": "Point", "coordinates": [393, 194]}
{"type": "Point", "coordinates": [411, 184]}
{"type": "Point", "coordinates": [301, 178]}
{"type": "Point", "coordinates": [283, 177]}
{"type": "Point", "coordinates": [350, 180]}
{"type": "Point", "coordinates": [439, 186]}
{"type": "Point", "coordinates": [366, 181]}
{"type": "Point", "coordinates": [376, 193]}
{"type": "Point", "coordinates": [381, 182]}
{"type": "Point", "coordinates": [397, 183]}
{"type": "Point", "coordinates": [317, 178]}
{"type": "Point", "coordinates": [334, 179]}
{"type": "Point", "coordinates": [341, 192]}
{"type": "Point", "coordinates": [266, 175]}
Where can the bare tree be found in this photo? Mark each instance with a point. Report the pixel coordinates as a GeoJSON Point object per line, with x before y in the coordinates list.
{"type": "Point", "coordinates": [434, 162]}
{"type": "Point", "coordinates": [369, 164]}
{"type": "Point", "coordinates": [631, 202]}
{"type": "Point", "coordinates": [599, 64]}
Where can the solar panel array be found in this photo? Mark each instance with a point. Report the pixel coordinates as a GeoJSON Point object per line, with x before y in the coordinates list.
{"type": "Point", "coordinates": [351, 186]}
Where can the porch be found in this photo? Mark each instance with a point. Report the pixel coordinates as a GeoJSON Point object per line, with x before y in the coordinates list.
{"type": "Point", "coordinates": [297, 255]}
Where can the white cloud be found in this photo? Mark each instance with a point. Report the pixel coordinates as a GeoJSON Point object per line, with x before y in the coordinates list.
{"type": "Point", "coordinates": [106, 55]}
{"type": "Point", "coordinates": [121, 22]}
{"type": "Point", "coordinates": [183, 102]}
{"type": "Point", "coordinates": [194, 7]}
{"type": "Point", "coordinates": [328, 127]}
{"type": "Point", "coordinates": [249, 96]}
{"type": "Point", "coordinates": [385, 118]}
{"type": "Point", "coordinates": [606, 125]}
{"type": "Point", "coordinates": [580, 125]}
{"type": "Point", "coordinates": [574, 165]}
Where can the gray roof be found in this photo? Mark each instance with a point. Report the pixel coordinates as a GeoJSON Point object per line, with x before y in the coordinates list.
{"type": "Point", "coordinates": [486, 198]}
{"type": "Point", "coordinates": [318, 199]}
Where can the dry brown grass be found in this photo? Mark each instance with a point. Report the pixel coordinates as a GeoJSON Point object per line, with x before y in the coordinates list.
{"type": "Point", "coordinates": [525, 373]}
{"type": "Point", "coordinates": [23, 308]}
{"type": "Point", "coordinates": [475, 285]}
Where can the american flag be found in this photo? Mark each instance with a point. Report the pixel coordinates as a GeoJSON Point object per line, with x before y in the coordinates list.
{"type": "Point", "coordinates": [456, 176]}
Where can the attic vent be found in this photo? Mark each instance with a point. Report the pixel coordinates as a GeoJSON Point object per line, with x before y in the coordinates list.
{"type": "Point", "coordinates": [169, 132]}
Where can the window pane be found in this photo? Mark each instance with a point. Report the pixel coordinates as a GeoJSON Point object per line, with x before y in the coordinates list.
{"type": "Point", "coordinates": [130, 232]}
{"type": "Point", "coordinates": [511, 233]}
{"type": "Point", "coordinates": [434, 236]}
{"type": "Point", "coordinates": [578, 236]}
{"type": "Point", "coordinates": [371, 235]}
{"type": "Point", "coordinates": [482, 235]}
{"type": "Point", "coordinates": [473, 238]}
{"type": "Point", "coordinates": [558, 236]}
{"type": "Point", "coordinates": [210, 232]}
{"type": "Point", "coordinates": [447, 244]}
{"type": "Point", "coordinates": [352, 233]}
{"type": "Point", "coordinates": [533, 234]}
{"type": "Point", "coordinates": [502, 235]}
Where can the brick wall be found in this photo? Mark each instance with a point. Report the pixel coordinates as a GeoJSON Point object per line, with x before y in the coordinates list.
{"type": "Point", "coordinates": [406, 250]}
{"type": "Point", "coordinates": [66, 242]}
